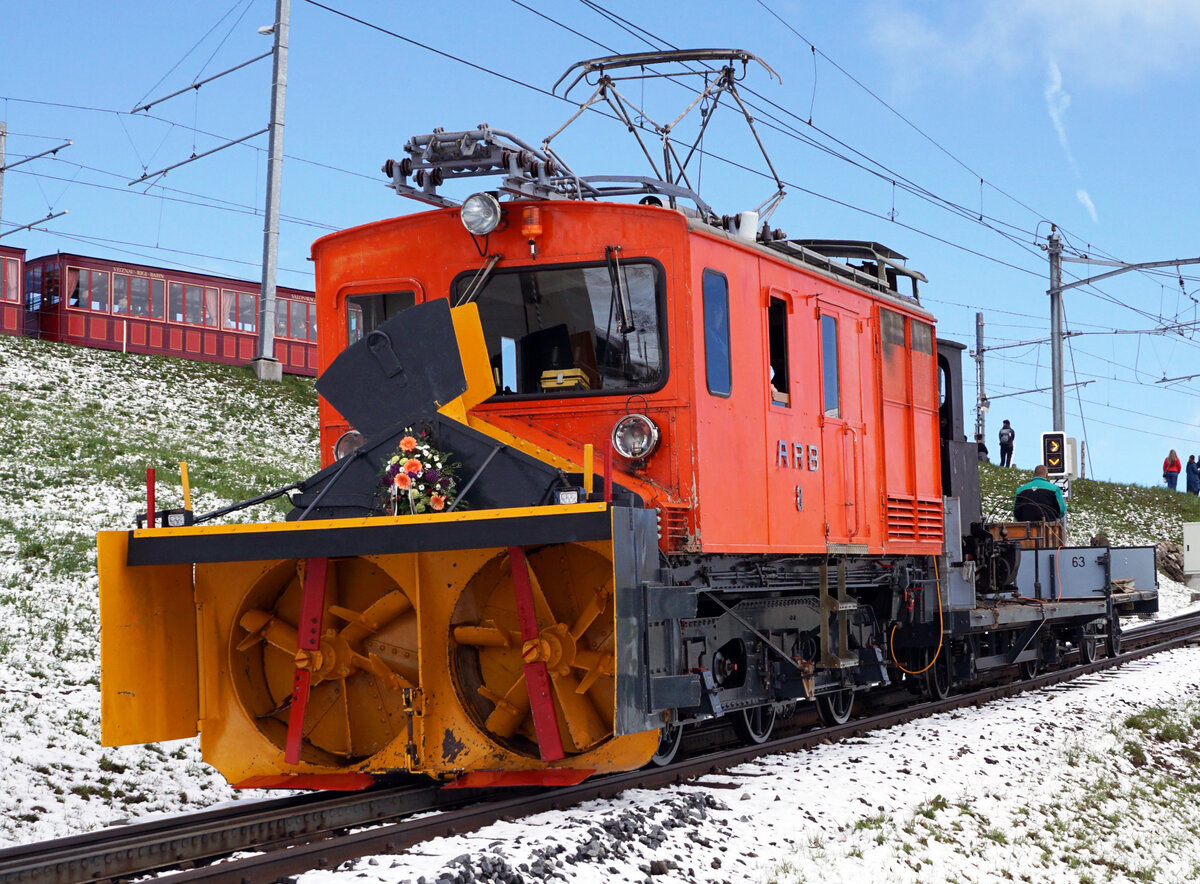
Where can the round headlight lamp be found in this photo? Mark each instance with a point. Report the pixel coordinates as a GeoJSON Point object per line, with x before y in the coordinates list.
{"type": "Point", "coordinates": [635, 436]}
{"type": "Point", "coordinates": [480, 214]}
{"type": "Point", "coordinates": [348, 443]}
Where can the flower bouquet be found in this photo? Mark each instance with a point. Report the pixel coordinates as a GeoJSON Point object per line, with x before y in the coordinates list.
{"type": "Point", "coordinates": [418, 478]}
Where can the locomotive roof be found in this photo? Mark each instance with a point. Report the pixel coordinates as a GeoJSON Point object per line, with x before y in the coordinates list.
{"type": "Point", "coordinates": [821, 254]}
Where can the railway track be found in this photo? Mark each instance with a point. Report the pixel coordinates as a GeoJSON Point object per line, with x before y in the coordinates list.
{"type": "Point", "coordinates": [321, 830]}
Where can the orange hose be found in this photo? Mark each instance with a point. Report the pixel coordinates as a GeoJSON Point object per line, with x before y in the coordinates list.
{"type": "Point", "coordinates": [937, 585]}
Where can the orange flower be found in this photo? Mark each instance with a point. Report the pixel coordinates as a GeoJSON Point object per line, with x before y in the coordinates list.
{"type": "Point", "coordinates": [414, 466]}
{"type": "Point", "coordinates": [438, 502]}
{"type": "Point", "coordinates": [408, 443]}
{"type": "Point", "coordinates": [403, 481]}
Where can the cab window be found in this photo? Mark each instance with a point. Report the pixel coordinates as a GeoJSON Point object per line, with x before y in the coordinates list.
{"type": "Point", "coordinates": [564, 331]}
{"type": "Point", "coordinates": [365, 313]}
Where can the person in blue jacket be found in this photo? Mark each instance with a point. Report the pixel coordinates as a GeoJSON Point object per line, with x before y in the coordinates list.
{"type": "Point", "coordinates": [1039, 499]}
{"type": "Point", "coordinates": [1193, 475]}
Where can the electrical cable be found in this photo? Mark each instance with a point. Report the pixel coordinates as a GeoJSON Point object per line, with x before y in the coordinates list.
{"type": "Point", "coordinates": [891, 647]}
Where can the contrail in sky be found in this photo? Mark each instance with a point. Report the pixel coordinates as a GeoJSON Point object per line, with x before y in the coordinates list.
{"type": "Point", "coordinates": [1057, 102]}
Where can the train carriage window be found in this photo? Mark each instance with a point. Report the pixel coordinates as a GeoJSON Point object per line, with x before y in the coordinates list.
{"type": "Point", "coordinates": [156, 299]}
{"type": "Point", "coordinates": [193, 306]}
{"type": "Point", "coordinates": [73, 286]}
{"type": "Point", "coordinates": [211, 299]}
{"type": "Point", "coordinates": [33, 289]}
{"type": "Point", "coordinates": [298, 324]}
{"type": "Point", "coordinates": [50, 285]}
{"type": "Point", "coordinates": [717, 365]}
{"type": "Point", "coordinates": [312, 322]}
{"type": "Point", "coordinates": [247, 312]}
{"type": "Point", "coordinates": [229, 302]}
{"type": "Point", "coordinates": [139, 296]}
{"type": "Point", "coordinates": [922, 337]}
{"type": "Point", "coordinates": [175, 301]}
{"type": "Point", "coordinates": [120, 293]}
{"type": "Point", "coordinates": [365, 313]}
{"type": "Point", "coordinates": [829, 366]}
{"type": "Point", "coordinates": [12, 292]}
{"type": "Point", "coordinates": [577, 329]}
{"type": "Point", "coordinates": [778, 350]}
{"type": "Point", "coordinates": [98, 289]}
{"type": "Point", "coordinates": [281, 317]}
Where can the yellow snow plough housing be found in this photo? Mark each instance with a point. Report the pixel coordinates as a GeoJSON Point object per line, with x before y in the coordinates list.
{"type": "Point", "coordinates": [494, 644]}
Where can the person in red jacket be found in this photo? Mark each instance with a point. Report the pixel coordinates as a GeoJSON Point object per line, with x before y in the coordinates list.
{"type": "Point", "coordinates": [1171, 468]}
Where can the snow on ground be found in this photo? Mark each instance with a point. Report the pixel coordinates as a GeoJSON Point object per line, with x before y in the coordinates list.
{"type": "Point", "coordinates": [77, 428]}
{"type": "Point", "coordinates": [1095, 780]}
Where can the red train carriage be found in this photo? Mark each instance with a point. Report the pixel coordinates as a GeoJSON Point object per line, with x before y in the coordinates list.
{"type": "Point", "coordinates": [139, 309]}
{"type": "Point", "coordinates": [12, 314]}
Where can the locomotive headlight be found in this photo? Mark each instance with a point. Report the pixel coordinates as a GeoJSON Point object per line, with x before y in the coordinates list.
{"type": "Point", "coordinates": [480, 214]}
{"type": "Point", "coordinates": [635, 436]}
{"type": "Point", "coordinates": [348, 443]}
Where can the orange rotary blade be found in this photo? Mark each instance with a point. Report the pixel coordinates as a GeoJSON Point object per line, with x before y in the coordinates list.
{"type": "Point", "coordinates": [308, 634]}
{"type": "Point", "coordinates": [537, 679]}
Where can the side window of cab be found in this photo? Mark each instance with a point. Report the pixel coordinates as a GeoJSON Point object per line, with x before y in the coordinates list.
{"type": "Point", "coordinates": [718, 369]}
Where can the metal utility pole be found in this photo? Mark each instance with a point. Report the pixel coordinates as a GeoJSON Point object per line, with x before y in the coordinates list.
{"type": "Point", "coordinates": [3, 138]}
{"type": "Point", "coordinates": [1056, 335]}
{"type": "Point", "coordinates": [1055, 251]}
{"type": "Point", "coordinates": [266, 366]}
{"type": "Point", "coordinates": [981, 400]}
{"type": "Point", "coordinates": [5, 166]}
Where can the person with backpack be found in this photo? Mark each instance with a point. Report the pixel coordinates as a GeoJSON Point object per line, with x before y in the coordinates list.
{"type": "Point", "coordinates": [1007, 434]}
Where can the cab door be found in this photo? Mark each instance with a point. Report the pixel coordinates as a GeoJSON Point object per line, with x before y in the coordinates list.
{"type": "Point", "coordinates": [841, 426]}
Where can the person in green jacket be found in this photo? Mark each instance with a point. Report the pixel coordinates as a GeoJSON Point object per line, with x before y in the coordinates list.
{"type": "Point", "coordinates": [1039, 499]}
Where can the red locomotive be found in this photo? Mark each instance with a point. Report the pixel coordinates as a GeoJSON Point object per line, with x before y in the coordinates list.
{"type": "Point", "coordinates": [594, 471]}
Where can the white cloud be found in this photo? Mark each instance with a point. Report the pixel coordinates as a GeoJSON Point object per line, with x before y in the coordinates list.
{"type": "Point", "coordinates": [1107, 43]}
{"type": "Point", "coordinates": [1086, 200]}
{"type": "Point", "coordinates": [1057, 102]}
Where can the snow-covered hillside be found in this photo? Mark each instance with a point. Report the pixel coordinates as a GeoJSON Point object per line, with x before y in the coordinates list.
{"type": "Point", "coordinates": [79, 427]}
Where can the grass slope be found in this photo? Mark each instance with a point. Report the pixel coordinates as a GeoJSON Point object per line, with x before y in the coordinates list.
{"type": "Point", "coordinates": [78, 428]}
{"type": "Point", "coordinates": [1131, 515]}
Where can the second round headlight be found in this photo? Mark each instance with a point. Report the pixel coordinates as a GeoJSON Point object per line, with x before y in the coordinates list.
{"type": "Point", "coordinates": [635, 436]}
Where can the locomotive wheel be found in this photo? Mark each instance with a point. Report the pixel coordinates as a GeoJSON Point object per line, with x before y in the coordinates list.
{"type": "Point", "coordinates": [1029, 668]}
{"type": "Point", "coordinates": [754, 726]}
{"type": "Point", "coordinates": [572, 589]}
{"type": "Point", "coordinates": [835, 708]}
{"type": "Point", "coordinates": [670, 738]}
{"type": "Point", "coordinates": [365, 660]}
{"type": "Point", "coordinates": [1113, 643]}
{"type": "Point", "coordinates": [937, 676]}
{"type": "Point", "coordinates": [1089, 643]}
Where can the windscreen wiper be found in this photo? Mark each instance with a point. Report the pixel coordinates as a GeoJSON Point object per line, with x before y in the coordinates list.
{"type": "Point", "coordinates": [624, 312]}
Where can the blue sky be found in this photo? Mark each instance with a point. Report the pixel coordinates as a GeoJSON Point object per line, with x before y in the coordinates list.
{"type": "Point", "coordinates": [1085, 116]}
